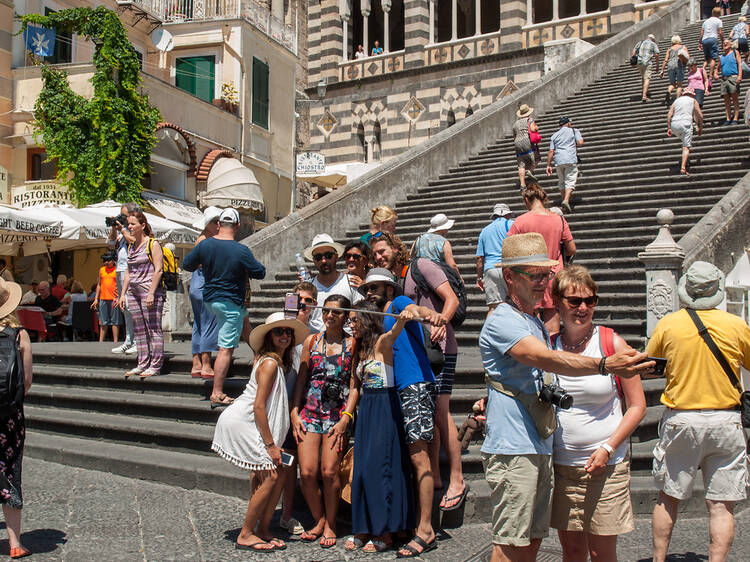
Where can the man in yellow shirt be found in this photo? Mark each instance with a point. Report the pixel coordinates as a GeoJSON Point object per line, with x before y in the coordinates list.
{"type": "Point", "coordinates": [701, 426]}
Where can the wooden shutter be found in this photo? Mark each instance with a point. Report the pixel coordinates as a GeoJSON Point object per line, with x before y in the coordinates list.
{"type": "Point", "coordinates": [260, 93]}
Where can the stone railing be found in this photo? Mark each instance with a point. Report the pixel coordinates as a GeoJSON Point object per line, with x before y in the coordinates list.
{"type": "Point", "coordinates": [581, 27]}
{"type": "Point", "coordinates": [276, 29]}
{"type": "Point", "coordinates": [462, 49]}
{"type": "Point", "coordinates": [371, 66]}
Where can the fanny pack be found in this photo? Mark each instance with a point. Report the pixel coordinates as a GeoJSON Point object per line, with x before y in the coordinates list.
{"type": "Point", "coordinates": [543, 413]}
{"type": "Point", "coordinates": [733, 378]}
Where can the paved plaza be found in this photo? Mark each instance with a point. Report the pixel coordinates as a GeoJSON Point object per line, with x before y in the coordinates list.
{"type": "Point", "coordinates": [74, 514]}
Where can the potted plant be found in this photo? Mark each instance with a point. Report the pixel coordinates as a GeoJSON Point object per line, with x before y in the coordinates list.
{"type": "Point", "coordinates": [230, 97]}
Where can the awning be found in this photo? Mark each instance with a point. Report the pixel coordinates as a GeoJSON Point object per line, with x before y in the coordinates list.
{"type": "Point", "coordinates": [337, 175]}
{"type": "Point", "coordinates": [231, 184]}
{"type": "Point", "coordinates": [173, 210]}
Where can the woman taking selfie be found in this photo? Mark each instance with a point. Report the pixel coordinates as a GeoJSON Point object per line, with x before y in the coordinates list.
{"type": "Point", "coordinates": [382, 501]}
{"type": "Point", "coordinates": [323, 406]}
{"type": "Point", "coordinates": [591, 498]}
{"type": "Point", "coordinates": [250, 432]}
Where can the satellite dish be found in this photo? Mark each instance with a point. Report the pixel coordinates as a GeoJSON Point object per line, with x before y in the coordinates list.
{"type": "Point", "coordinates": [162, 39]}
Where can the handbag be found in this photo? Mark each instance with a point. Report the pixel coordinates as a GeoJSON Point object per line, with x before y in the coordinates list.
{"type": "Point", "coordinates": [634, 58]}
{"type": "Point", "coordinates": [733, 378]}
{"type": "Point", "coordinates": [534, 136]}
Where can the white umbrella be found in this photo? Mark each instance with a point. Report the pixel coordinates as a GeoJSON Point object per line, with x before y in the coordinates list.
{"type": "Point", "coordinates": [18, 226]}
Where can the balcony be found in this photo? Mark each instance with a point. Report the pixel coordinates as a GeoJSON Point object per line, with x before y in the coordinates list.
{"type": "Point", "coordinates": [179, 11]}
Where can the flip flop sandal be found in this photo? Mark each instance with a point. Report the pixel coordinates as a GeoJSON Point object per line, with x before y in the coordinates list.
{"type": "Point", "coordinates": [377, 546]}
{"type": "Point", "coordinates": [413, 552]}
{"type": "Point", "coordinates": [460, 497]}
{"type": "Point", "coordinates": [19, 552]}
{"type": "Point", "coordinates": [206, 377]}
{"type": "Point", "coordinates": [277, 544]}
{"type": "Point", "coordinates": [223, 401]}
{"type": "Point", "coordinates": [355, 542]}
{"type": "Point", "coordinates": [311, 537]}
{"type": "Point", "coordinates": [149, 373]}
{"type": "Point", "coordinates": [133, 372]}
{"type": "Point", "coordinates": [254, 547]}
{"type": "Point", "coordinates": [195, 374]}
{"type": "Point", "coordinates": [325, 538]}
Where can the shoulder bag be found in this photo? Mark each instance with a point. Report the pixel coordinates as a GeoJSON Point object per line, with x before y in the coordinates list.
{"type": "Point", "coordinates": [543, 413]}
{"type": "Point", "coordinates": [733, 378]}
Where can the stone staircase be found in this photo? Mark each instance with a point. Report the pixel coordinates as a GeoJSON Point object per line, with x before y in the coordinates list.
{"type": "Point", "coordinates": [81, 411]}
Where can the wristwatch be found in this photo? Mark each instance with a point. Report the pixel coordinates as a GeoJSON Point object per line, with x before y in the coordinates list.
{"type": "Point", "coordinates": [607, 447]}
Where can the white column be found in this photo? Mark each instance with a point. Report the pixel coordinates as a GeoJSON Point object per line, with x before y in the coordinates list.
{"type": "Point", "coordinates": [345, 39]}
{"type": "Point", "coordinates": [432, 21]}
{"type": "Point", "coordinates": [454, 20]}
{"type": "Point", "coordinates": [478, 16]}
{"type": "Point", "coordinates": [529, 13]}
{"type": "Point", "coordinates": [386, 4]}
{"type": "Point", "coordinates": [555, 10]}
{"type": "Point", "coordinates": [366, 32]}
{"type": "Point", "coordinates": [583, 8]}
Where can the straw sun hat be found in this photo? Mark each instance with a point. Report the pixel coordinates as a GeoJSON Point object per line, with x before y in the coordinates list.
{"type": "Point", "coordinates": [10, 296]}
{"type": "Point", "coordinates": [526, 249]}
{"type": "Point", "coordinates": [525, 110]}
{"type": "Point", "coordinates": [277, 320]}
{"type": "Point", "coordinates": [323, 241]}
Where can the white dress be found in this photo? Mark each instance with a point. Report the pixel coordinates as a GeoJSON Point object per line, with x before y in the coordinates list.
{"type": "Point", "coordinates": [236, 437]}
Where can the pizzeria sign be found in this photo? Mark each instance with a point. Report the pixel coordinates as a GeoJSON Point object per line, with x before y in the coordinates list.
{"type": "Point", "coordinates": [35, 192]}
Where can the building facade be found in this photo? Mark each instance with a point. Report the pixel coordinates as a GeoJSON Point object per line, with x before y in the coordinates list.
{"type": "Point", "coordinates": [435, 62]}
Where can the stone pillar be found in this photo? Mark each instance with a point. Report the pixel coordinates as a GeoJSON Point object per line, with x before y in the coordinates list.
{"type": "Point", "coordinates": [386, 4]}
{"type": "Point", "coordinates": [454, 20]}
{"type": "Point", "coordinates": [583, 8]}
{"type": "Point", "coordinates": [432, 21]}
{"type": "Point", "coordinates": [365, 10]}
{"type": "Point", "coordinates": [663, 260]}
{"type": "Point", "coordinates": [555, 10]}
{"type": "Point", "coordinates": [513, 16]}
{"type": "Point", "coordinates": [331, 39]}
{"type": "Point", "coordinates": [621, 14]}
{"type": "Point", "coordinates": [418, 30]}
{"type": "Point", "coordinates": [478, 17]}
{"type": "Point", "coordinates": [345, 39]}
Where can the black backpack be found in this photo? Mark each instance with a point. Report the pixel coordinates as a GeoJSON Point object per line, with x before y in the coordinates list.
{"type": "Point", "coordinates": [455, 282]}
{"type": "Point", "coordinates": [11, 373]}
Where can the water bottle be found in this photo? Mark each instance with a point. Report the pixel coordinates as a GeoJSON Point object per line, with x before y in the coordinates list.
{"type": "Point", "coordinates": [304, 273]}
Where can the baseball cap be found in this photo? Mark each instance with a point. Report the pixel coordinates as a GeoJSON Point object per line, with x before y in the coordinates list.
{"type": "Point", "coordinates": [500, 210]}
{"type": "Point", "coordinates": [230, 215]}
{"type": "Point", "coordinates": [564, 120]}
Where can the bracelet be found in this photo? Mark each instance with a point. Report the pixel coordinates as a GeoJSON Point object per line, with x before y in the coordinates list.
{"type": "Point", "coordinates": [348, 414]}
{"type": "Point", "coordinates": [271, 444]}
{"type": "Point", "coordinates": [603, 366]}
{"type": "Point", "coordinates": [607, 447]}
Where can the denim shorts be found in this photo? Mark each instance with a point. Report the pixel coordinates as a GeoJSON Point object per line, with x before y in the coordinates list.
{"type": "Point", "coordinates": [108, 314]}
{"type": "Point", "coordinates": [710, 48]}
{"type": "Point", "coordinates": [230, 316]}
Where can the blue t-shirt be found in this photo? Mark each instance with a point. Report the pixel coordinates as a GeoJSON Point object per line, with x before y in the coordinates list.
{"type": "Point", "coordinates": [729, 64]}
{"type": "Point", "coordinates": [510, 429]}
{"type": "Point", "coordinates": [410, 363]}
{"type": "Point", "coordinates": [226, 265]}
{"type": "Point", "coordinates": [490, 243]}
{"type": "Point", "coordinates": [563, 142]}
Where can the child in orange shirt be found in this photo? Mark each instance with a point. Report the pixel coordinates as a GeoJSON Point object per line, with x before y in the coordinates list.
{"type": "Point", "coordinates": [106, 297]}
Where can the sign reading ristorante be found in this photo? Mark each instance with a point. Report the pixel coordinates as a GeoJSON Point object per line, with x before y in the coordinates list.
{"type": "Point", "coordinates": [35, 192]}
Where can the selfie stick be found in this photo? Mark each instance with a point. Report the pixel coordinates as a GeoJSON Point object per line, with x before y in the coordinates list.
{"type": "Point", "coordinates": [303, 306]}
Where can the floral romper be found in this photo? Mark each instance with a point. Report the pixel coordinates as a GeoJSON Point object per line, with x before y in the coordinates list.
{"type": "Point", "coordinates": [327, 387]}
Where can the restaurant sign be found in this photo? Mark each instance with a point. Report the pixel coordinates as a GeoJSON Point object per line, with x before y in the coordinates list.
{"type": "Point", "coordinates": [3, 184]}
{"type": "Point", "coordinates": [310, 163]}
{"type": "Point", "coordinates": [36, 192]}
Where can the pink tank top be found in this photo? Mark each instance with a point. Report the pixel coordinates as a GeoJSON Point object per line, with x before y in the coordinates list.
{"type": "Point", "coordinates": [695, 80]}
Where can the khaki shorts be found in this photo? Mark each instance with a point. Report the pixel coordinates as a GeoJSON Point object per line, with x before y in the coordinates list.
{"type": "Point", "coordinates": [521, 495]}
{"type": "Point", "coordinates": [495, 288]}
{"type": "Point", "coordinates": [710, 439]}
{"type": "Point", "coordinates": [729, 85]}
{"type": "Point", "coordinates": [597, 504]}
{"type": "Point", "coordinates": [646, 71]}
{"type": "Point", "coordinates": [567, 175]}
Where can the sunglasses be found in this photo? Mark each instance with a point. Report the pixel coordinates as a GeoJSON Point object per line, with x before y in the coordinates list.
{"type": "Point", "coordinates": [307, 300]}
{"type": "Point", "coordinates": [326, 255]}
{"type": "Point", "coordinates": [575, 302]}
{"type": "Point", "coordinates": [333, 311]}
{"type": "Point", "coordinates": [282, 331]}
{"type": "Point", "coordinates": [355, 257]}
{"type": "Point", "coordinates": [536, 277]}
{"type": "Point", "coordinates": [377, 235]}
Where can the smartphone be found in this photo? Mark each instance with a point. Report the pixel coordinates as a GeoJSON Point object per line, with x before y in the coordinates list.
{"type": "Point", "coordinates": [661, 364]}
{"type": "Point", "coordinates": [287, 459]}
{"type": "Point", "coordinates": [291, 306]}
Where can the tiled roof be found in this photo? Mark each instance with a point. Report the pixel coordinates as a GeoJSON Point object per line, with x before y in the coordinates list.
{"type": "Point", "coordinates": [209, 160]}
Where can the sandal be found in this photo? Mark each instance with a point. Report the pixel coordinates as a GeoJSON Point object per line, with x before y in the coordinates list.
{"type": "Point", "coordinates": [149, 373]}
{"type": "Point", "coordinates": [195, 373]}
{"type": "Point", "coordinates": [292, 525]}
{"type": "Point", "coordinates": [254, 547]}
{"type": "Point", "coordinates": [224, 400]}
{"type": "Point", "coordinates": [133, 372]}
{"type": "Point", "coordinates": [413, 552]}
{"type": "Point", "coordinates": [324, 540]}
{"type": "Point", "coordinates": [375, 545]}
{"type": "Point", "coordinates": [460, 497]}
{"type": "Point", "coordinates": [206, 376]}
{"type": "Point", "coordinates": [311, 537]}
{"type": "Point", "coordinates": [353, 543]}
{"type": "Point", "coordinates": [19, 552]}
{"type": "Point", "coordinates": [277, 543]}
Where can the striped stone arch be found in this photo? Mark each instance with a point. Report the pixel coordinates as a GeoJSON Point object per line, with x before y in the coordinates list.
{"type": "Point", "coordinates": [458, 100]}
{"type": "Point", "coordinates": [209, 160]}
{"type": "Point", "coordinates": [192, 165]}
{"type": "Point", "coordinates": [368, 113]}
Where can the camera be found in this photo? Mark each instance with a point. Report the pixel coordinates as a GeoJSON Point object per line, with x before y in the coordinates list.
{"type": "Point", "coordinates": [556, 395]}
{"type": "Point", "coordinates": [110, 221]}
{"type": "Point", "coordinates": [332, 391]}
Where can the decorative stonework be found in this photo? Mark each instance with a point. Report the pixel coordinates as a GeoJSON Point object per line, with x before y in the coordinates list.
{"type": "Point", "coordinates": [463, 51]}
{"type": "Point", "coordinates": [660, 299]}
{"type": "Point", "coordinates": [413, 110]}
{"type": "Point", "coordinates": [507, 90]}
{"type": "Point", "coordinates": [567, 31]}
{"type": "Point", "coordinates": [327, 123]}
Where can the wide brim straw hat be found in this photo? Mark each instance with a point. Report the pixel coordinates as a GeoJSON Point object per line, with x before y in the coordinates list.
{"type": "Point", "coordinates": [10, 296]}
{"type": "Point", "coordinates": [702, 286]}
{"type": "Point", "coordinates": [688, 91]}
{"type": "Point", "coordinates": [526, 249]}
{"type": "Point", "coordinates": [323, 241]}
{"type": "Point", "coordinates": [382, 275]}
{"type": "Point", "coordinates": [525, 110]}
{"type": "Point", "coordinates": [277, 320]}
{"type": "Point", "coordinates": [209, 214]}
{"type": "Point", "coordinates": [440, 222]}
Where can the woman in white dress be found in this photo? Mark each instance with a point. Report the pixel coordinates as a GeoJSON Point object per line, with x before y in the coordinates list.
{"type": "Point", "coordinates": [251, 431]}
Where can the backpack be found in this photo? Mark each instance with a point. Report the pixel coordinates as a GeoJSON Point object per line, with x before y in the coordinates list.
{"type": "Point", "coordinates": [634, 58]}
{"type": "Point", "coordinates": [11, 373]}
{"type": "Point", "coordinates": [169, 275]}
{"type": "Point", "coordinates": [456, 285]}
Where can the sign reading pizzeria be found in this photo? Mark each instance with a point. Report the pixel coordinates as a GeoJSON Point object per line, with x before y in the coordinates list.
{"type": "Point", "coordinates": [36, 192]}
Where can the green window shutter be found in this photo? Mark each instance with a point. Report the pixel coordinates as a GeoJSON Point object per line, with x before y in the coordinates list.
{"type": "Point", "coordinates": [63, 45]}
{"type": "Point", "coordinates": [260, 93]}
{"type": "Point", "coordinates": [196, 76]}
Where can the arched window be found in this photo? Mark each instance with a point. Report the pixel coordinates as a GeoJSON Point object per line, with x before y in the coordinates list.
{"type": "Point", "coordinates": [450, 118]}
{"type": "Point", "coordinates": [377, 149]}
{"type": "Point", "coordinates": [361, 144]}
{"type": "Point", "coordinates": [469, 111]}
{"type": "Point", "coordinates": [170, 162]}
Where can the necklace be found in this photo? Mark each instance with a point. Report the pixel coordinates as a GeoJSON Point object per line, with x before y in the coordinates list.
{"type": "Point", "coordinates": [580, 343]}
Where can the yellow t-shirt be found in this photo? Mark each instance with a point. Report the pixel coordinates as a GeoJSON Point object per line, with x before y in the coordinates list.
{"type": "Point", "coordinates": [695, 379]}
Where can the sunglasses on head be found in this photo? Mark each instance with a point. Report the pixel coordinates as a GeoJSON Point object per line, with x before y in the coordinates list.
{"type": "Point", "coordinates": [575, 302]}
{"type": "Point", "coordinates": [536, 277]}
{"type": "Point", "coordinates": [282, 331]}
{"type": "Point", "coordinates": [333, 311]}
{"type": "Point", "coordinates": [350, 256]}
{"type": "Point", "coordinates": [326, 255]}
{"type": "Point", "coordinates": [377, 235]}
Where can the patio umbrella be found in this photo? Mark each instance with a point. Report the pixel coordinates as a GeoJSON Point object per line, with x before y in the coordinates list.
{"type": "Point", "coordinates": [21, 225]}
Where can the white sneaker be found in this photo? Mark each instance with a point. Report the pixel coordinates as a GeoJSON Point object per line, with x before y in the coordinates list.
{"type": "Point", "coordinates": [130, 350]}
{"type": "Point", "coordinates": [120, 348]}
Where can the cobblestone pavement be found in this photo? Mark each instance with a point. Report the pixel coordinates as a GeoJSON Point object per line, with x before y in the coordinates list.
{"type": "Point", "coordinates": [74, 514]}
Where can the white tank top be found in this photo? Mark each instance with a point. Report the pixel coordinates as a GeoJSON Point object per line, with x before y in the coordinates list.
{"type": "Point", "coordinates": [594, 416]}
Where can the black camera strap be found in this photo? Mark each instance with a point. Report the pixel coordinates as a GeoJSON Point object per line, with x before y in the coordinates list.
{"type": "Point", "coordinates": [703, 331]}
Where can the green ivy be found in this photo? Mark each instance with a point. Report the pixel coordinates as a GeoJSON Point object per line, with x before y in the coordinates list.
{"type": "Point", "coordinates": [102, 145]}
